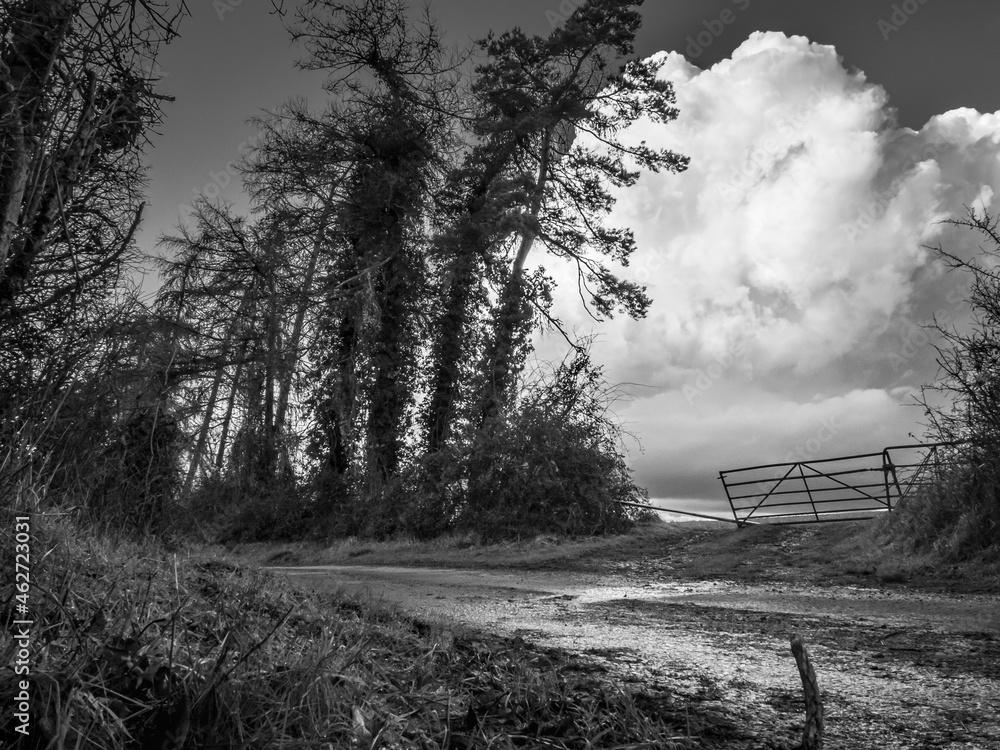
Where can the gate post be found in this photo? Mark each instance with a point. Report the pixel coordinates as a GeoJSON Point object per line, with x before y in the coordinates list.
{"type": "Point", "coordinates": [722, 477]}
{"type": "Point", "coordinates": [889, 468]}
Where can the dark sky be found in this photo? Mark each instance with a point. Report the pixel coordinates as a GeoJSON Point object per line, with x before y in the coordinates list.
{"type": "Point", "coordinates": [941, 58]}
{"type": "Point", "coordinates": [845, 358]}
{"type": "Point", "coordinates": [234, 59]}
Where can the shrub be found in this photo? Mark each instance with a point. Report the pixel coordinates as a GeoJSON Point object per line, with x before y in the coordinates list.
{"type": "Point", "coordinates": [552, 464]}
{"type": "Point", "coordinates": [959, 516]}
{"type": "Point", "coordinates": [276, 511]}
{"type": "Point", "coordinates": [535, 473]}
{"type": "Point", "coordinates": [118, 470]}
{"type": "Point", "coordinates": [136, 483]}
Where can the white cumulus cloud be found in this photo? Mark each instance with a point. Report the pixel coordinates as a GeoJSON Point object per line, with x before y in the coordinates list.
{"type": "Point", "coordinates": [791, 258]}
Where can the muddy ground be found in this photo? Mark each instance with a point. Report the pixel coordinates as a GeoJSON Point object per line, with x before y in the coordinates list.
{"type": "Point", "coordinates": [700, 616]}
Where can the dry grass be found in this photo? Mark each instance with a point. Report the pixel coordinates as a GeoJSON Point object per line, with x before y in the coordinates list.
{"type": "Point", "coordinates": [135, 647]}
{"type": "Point", "coordinates": [464, 550]}
{"type": "Point", "coordinates": [859, 552]}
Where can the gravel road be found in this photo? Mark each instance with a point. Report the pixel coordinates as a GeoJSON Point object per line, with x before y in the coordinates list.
{"type": "Point", "coordinates": [898, 669]}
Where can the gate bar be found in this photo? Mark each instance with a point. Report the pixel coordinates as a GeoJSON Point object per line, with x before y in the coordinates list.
{"type": "Point", "coordinates": [888, 469]}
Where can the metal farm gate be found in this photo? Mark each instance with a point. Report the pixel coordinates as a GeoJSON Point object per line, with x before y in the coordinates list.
{"type": "Point", "coordinates": [832, 489]}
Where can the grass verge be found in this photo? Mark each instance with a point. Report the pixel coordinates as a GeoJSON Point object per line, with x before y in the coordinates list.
{"type": "Point", "coordinates": [135, 647]}
{"type": "Point", "coordinates": [861, 552]}
{"type": "Point", "coordinates": [469, 550]}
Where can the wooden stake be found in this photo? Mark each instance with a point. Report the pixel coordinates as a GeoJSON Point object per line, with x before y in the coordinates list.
{"type": "Point", "coordinates": [812, 735]}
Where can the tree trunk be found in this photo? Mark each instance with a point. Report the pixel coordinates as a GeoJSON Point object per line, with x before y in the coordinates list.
{"type": "Point", "coordinates": [206, 426]}
{"type": "Point", "coordinates": [291, 357]}
{"type": "Point", "coordinates": [337, 410]}
{"type": "Point", "coordinates": [393, 360]}
{"type": "Point", "coordinates": [512, 310]}
{"type": "Point", "coordinates": [270, 427]}
{"type": "Point", "coordinates": [471, 239]}
{"type": "Point", "coordinates": [213, 396]}
{"type": "Point", "coordinates": [450, 348]}
{"type": "Point", "coordinates": [220, 456]}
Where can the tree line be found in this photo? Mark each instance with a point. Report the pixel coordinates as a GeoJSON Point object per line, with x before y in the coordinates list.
{"type": "Point", "coordinates": [352, 355]}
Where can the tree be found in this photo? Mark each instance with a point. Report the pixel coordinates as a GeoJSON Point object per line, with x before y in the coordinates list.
{"type": "Point", "coordinates": [392, 123]}
{"type": "Point", "coordinates": [371, 317]}
{"type": "Point", "coordinates": [297, 170]}
{"type": "Point", "coordinates": [475, 209]}
{"type": "Point", "coordinates": [533, 98]}
{"type": "Point", "coordinates": [391, 257]}
{"type": "Point", "coordinates": [230, 294]}
{"type": "Point", "coordinates": [76, 100]}
{"type": "Point", "coordinates": [960, 514]}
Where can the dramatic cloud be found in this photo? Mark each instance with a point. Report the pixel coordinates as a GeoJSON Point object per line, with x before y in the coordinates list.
{"type": "Point", "coordinates": [789, 265]}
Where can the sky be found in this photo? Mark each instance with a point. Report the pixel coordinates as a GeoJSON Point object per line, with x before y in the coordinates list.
{"type": "Point", "coordinates": [792, 266]}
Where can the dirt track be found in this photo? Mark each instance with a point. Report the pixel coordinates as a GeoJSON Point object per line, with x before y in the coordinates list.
{"type": "Point", "coordinates": [898, 668]}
